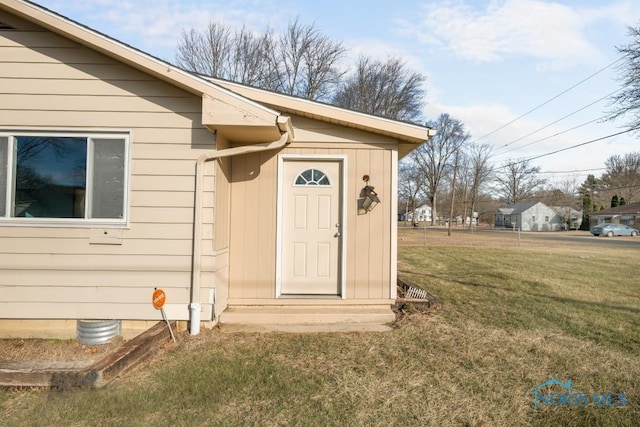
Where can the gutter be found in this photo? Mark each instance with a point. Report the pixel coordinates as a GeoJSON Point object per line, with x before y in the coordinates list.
{"type": "Point", "coordinates": [194, 305]}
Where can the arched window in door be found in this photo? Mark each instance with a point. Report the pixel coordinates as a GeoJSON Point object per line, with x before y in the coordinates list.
{"type": "Point", "coordinates": [312, 177]}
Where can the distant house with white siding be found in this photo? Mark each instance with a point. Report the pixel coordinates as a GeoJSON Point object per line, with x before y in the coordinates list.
{"type": "Point", "coordinates": [120, 173]}
{"type": "Point", "coordinates": [528, 216]}
{"type": "Point", "coordinates": [421, 213]}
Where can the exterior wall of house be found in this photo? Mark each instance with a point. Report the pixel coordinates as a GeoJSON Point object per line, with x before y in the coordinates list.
{"type": "Point", "coordinates": [222, 227]}
{"type": "Point", "coordinates": [539, 217]}
{"type": "Point", "coordinates": [252, 268]}
{"type": "Point", "coordinates": [50, 83]}
{"type": "Point", "coordinates": [423, 213]}
{"type": "Point", "coordinates": [502, 220]}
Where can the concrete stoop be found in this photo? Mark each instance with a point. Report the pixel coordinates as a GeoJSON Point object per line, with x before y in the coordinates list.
{"type": "Point", "coordinates": [63, 375]}
{"type": "Point", "coordinates": [308, 318]}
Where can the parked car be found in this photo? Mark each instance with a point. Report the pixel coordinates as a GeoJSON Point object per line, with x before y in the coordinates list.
{"type": "Point", "coordinates": [613, 230]}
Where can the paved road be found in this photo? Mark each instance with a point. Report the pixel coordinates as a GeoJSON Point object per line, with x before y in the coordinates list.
{"type": "Point", "coordinates": [582, 237]}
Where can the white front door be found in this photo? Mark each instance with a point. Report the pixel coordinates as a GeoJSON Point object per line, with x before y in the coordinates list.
{"type": "Point", "coordinates": [311, 227]}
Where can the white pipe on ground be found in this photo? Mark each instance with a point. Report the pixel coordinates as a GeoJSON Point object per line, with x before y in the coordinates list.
{"type": "Point", "coordinates": [195, 306]}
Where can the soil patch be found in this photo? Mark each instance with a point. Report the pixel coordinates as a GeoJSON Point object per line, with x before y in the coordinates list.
{"type": "Point", "coordinates": [54, 350]}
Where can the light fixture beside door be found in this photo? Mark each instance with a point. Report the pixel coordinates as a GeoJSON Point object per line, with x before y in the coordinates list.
{"type": "Point", "coordinates": [368, 197]}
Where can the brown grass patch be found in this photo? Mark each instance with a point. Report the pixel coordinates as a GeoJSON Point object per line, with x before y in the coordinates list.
{"type": "Point", "coordinates": [512, 318]}
{"type": "Point", "coordinates": [54, 350]}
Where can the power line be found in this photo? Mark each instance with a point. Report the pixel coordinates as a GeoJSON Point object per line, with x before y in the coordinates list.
{"type": "Point", "coordinates": [575, 146]}
{"type": "Point", "coordinates": [549, 100]}
{"type": "Point", "coordinates": [556, 134]}
{"type": "Point", "coordinates": [575, 170]}
{"type": "Point", "coordinates": [562, 118]}
{"type": "Point", "coordinates": [527, 159]}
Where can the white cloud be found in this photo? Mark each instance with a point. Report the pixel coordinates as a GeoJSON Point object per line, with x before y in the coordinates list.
{"type": "Point", "coordinates": [155, 25]}
{"type": "Point", "coordinates": [551, 32]}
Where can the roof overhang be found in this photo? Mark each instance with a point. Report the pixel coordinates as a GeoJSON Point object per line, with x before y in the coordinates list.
{"type": "Point", "coordinates": [408, 135]}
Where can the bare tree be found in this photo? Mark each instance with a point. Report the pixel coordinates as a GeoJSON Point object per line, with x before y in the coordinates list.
{"type": "Point", "coordinates": [622, 176]}
{"type": "Point", "coordinates": [481, 173]}
{"type": "Point", "coordinates": [411, 184]}
{"type": "Point", "coordinates": [463, 184]}
{"type": "Point", "coordinates": [434, 157]}
{"type": "Point", "coordinates": [627, 101]}
{"type": "Point", "coordinates": [517, 180]}
{"type": "Point", "coordinates": [383, 88]}
{"type": "Point", "coordinates": [218, 52]}
{"type": "Point", "coordinates": [307, 62]}
{"type": "Point", "coordinates": [301, 61]}
{"type": "Point", "coordinates": [453, 189]}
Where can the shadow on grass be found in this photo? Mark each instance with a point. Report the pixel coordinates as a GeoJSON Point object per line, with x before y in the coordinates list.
{"type": "Point", "coordinates": [587, 304]}
{"type": "Point", "coordinates": [611, 325]}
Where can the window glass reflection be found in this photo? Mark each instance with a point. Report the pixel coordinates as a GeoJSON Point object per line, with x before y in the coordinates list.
{"type": "Point", "coordinates": [50, 177]}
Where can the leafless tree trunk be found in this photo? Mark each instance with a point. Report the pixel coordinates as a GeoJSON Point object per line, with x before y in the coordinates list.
{"type": "Point", "coordinates": [481, 172]}
{"type": "Point", "coordinates": [453, 190]}
{"type": "Point", "coordinates": [411, 184]}
{"type": "Point", "coordinates": [434, 156]}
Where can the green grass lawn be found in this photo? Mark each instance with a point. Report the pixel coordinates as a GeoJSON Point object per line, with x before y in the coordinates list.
{"type": "Point", "coordinates": [514, 317]}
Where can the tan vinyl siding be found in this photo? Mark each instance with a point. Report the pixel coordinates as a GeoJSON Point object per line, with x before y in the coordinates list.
{"type": "Point", "coordinates": [50, 83]}
{"type": "Point", "coordinates": [253, 239]}
{"type": "Point", "coordinates": [222, 227]}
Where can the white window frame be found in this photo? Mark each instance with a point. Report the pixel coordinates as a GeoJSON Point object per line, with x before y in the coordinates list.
{"type": "Point", "coordinates": [8, 220]}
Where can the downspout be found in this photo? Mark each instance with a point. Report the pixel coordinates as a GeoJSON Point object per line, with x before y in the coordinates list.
{"type": "Point", "coordinates": [194, 305]}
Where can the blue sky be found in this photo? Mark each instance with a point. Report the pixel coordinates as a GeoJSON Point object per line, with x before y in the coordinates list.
{"type": "Point", "coordinates": [487, 62]}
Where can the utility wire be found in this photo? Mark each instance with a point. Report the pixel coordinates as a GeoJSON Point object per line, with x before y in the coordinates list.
{"type": "Point", "coordinates": [574, 146]}
{"type": "Point", "coordinates": [562, 118]}
{"type": "Point", "coordinates": [575, 170]}
{"type": "Point", "coordinates": [549, 100]}
{"type": "Point", "coordinates": [527, 159]}
{"type": "Point", "coordinates": [554, 135]}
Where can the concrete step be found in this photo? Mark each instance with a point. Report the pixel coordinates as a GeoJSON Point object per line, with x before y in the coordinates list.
{"type": "Point", "coordinates": [308, 315]}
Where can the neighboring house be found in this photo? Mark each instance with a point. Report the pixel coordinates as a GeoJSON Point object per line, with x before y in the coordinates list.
{"type": "Point", "coordinates": [528, 216]}
{"type": "Point", "coordinates": [571, 217]}
{"type": "Point", "coordinates": [121, 173]}
{"type": "Point", "coordinates": [422, 213]}
{"type": "Point", "coordinates": [628, 214]}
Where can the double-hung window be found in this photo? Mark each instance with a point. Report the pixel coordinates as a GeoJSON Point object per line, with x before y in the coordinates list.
{"type": "Point", "coordinates": [63, 178]}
